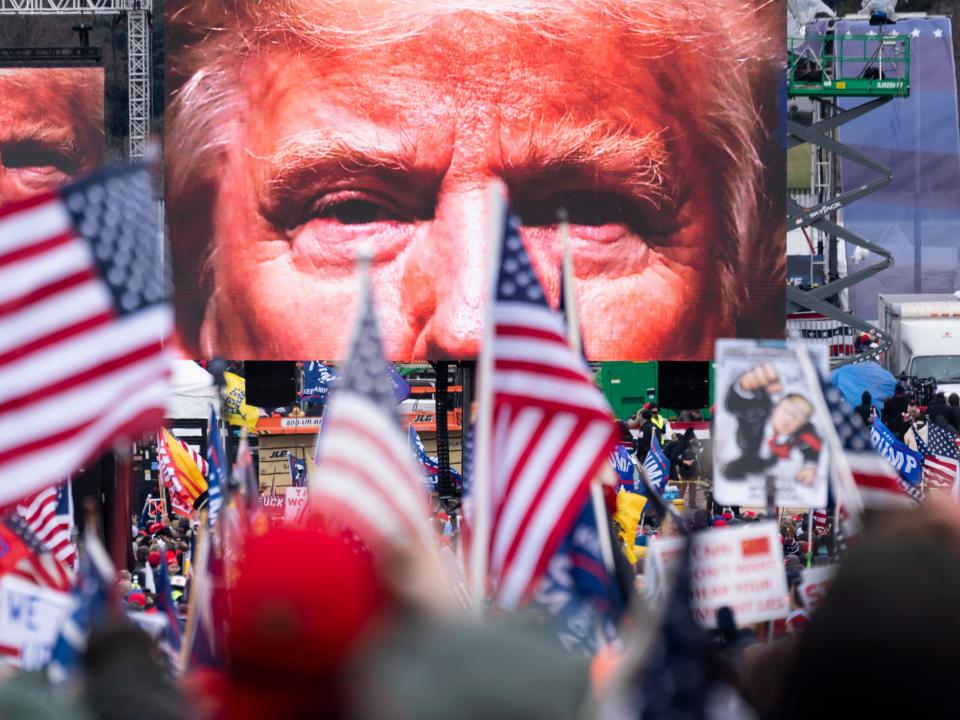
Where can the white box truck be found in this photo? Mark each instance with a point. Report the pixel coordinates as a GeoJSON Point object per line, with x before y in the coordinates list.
{"type": "Point", "coordinates": [925, 333]}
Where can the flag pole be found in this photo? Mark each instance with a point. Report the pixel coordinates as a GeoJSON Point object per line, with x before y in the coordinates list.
{"type": "Point", "coordinates": [572, 317]}
{"type": "Point", "coordinates": [199, 568]}
{"type": "Point", "coordinates": [120, 541]}
{"type": "Point", "coordinates": [481, 481]}
{"type": "Point", "coordinates": [843, 476]}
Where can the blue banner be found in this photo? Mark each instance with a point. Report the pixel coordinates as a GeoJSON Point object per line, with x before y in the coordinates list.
{"type": "Point", "coordinates": [317, 381]}
{"type": "Point", "coordinates": [907, 462]}
{"type": "Point", "coordinates": [657, 465]}
{"type": "Point", "coordinates": [623, 466]}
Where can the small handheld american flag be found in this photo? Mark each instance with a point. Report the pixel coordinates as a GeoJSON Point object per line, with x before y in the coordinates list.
{"type": "Point", "coordinates": [551, 428]}
{"type": "Point", "coordinates": [84, 317]}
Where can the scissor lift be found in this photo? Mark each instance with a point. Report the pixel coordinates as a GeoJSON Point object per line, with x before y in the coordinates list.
{"type": "Point", "coordinates": [824, 67]}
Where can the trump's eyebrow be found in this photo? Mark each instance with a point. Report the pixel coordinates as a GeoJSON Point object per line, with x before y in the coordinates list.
{"type": "Point", "coordinates": [611, 156]}
{"type": "Point", "coordinates": [316, 156]}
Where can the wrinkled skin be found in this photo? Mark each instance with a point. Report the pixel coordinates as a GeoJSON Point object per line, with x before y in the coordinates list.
{"type": "Point", "coordinates": [399, 145]}
{"type": "Point", "coordinates": [51, 128]}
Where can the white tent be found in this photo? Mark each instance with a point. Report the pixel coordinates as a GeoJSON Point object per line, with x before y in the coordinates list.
{"type": "Point", "coordinates": [191, 391]}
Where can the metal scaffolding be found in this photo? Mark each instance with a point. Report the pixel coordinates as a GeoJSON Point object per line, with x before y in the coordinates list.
{"type": "Point", "coordinates": [824, 68]}
{"type": "Point", "coordinates": [138, 52]}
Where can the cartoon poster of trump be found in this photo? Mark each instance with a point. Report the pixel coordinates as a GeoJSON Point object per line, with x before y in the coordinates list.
{"type": "Point", "coordinates": [765, 426]}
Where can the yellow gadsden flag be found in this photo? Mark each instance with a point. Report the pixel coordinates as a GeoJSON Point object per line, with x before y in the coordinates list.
{"type": "Point", "coordinates": [237, 412]}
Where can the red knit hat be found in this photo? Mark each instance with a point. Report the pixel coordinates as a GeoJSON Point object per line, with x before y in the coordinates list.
{"type": "Point", "coordinates": [303, 601]}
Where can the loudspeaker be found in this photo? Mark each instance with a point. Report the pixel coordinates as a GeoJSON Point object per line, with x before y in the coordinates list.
{"type": "Point", "coordinates": [271, 384]}
{"type": "Point", "coordinates": [684, 385]}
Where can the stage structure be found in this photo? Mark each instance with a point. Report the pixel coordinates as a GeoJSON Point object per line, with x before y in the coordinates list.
{"type": "Point", "coordinates": [824, 67]}
{"type": "Point", "coordinates": [138, 51]}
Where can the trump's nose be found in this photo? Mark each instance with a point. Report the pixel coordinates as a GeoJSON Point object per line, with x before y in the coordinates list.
{"type": "Point", "coordinates": [445, 282]}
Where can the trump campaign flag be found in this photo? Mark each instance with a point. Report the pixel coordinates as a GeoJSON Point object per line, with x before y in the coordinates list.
{"type": "Point", "coordinates": [84, 320]}
{"type": "Point", "coordinates": [656, 465]}
{"type": "Point", "coordinates": [907, 462]}
{"type": "Point", "coordinates": [623, 466]}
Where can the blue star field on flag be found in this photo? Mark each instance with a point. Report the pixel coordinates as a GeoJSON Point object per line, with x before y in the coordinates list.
{"type": "Point", "coordinates": [517, 280]}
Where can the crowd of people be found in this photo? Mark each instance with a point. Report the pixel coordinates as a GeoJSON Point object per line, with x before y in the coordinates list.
{"type": "Point", "coordinates": [317, 624]}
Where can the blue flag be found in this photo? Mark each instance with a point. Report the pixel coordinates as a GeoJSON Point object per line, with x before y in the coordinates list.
{"type": "Point", "coordinates": [429, 466]}
{"type": "Point", "coordinates": [401, 388]}
{"type": "Point", "coordinates": [165, 604]}
{"type": "Point", "coordinates": [216, 468]}
{"type": "Point", "coordinates": [583, 598]}
{"type": "Point", "coordinates": [92, 594]}
{"type": "Point", "coordinates": [906, 461]}
{"type": "Point", "coordinates": [298, 471]}
{"type": "Point", "coordinates": [623, 465]}
{"type": "Point", "coordinates": [656, 465]}
{"type": "Point", "coordinates": [317, 381]}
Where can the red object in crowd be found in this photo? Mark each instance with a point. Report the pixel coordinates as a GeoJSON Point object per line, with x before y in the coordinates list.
{"type": "Point", "coordinates": [156, 527]}
{"type": "Point", "coordinates": [137, 598]}
{"type": "Point", "coordinates": [719, 524]}
{"type": "Point", "coordinates": [304, 600]}
{"type": "Point", "coordinates": [170, 557]}
{"type": "Point", "coordinates": [154, 558]}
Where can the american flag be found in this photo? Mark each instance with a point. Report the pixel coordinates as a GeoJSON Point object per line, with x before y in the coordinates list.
{"type": "Point", "coordinates": [552, 429]}
{"type": "Point", "coordinates": [941, 459]}
{"type": "Point", "coordinates": [879, 484]}
{"type": "Point", "coordinates": [84, 319]}
{"type": "Point", "coordinates": [49, 515]}
{"type": "Point", "coordinates": [216, 472]}
{"type": "Point", "coordinates": [38, 565]}
{"type": "Point", "coordinates": [364, 473]}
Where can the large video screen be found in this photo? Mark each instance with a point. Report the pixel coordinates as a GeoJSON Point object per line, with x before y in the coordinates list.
{"type": "Point", "coordinates": [51, 128]}
{"type": "Point", "coordinates": [299, 131]}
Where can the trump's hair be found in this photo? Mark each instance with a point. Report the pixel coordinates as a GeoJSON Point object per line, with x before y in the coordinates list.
{"type": "Point", "coordinates": [740, 42]}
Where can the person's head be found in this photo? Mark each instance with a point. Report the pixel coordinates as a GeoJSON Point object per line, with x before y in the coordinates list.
{"type": "Point", "coordinates": [645, 415]}
{"type": "Point", "coordinates": [153, 557]}
{"type": "Point", "coordinates": [51, 128]}
{"type": "Point", "coordinates": [899, 389]}
{"type": "Point", "coordinates": [790, 414]}
{"type": "Point", "coordinates": [142, 554]}
{"type": "Point", "coordinates": [940, 398]}
{"type": "Point", "coordinates": [299, 130]}
{"type": "Point", "coordinates": [913, 409]}
{"type": "Point", "coordinates": [689, 435]}
{"type": "Point", "coordinates": [654, 410]}
{"type": "Point", "coordinates": [866, 398]}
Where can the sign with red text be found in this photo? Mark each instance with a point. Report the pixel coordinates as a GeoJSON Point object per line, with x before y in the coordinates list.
{"type": "Point", "coordinates": [741, 568]}
{"type": "Point", "coordinates": [814, 585]}
{"type": "Point", "coordinates": [273, 506]}
{"type": "Point", "coordinates": [296, 498]}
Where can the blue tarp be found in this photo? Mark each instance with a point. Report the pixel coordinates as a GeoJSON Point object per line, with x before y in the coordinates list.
{"type": "Point", "coordinates": [852, 380]}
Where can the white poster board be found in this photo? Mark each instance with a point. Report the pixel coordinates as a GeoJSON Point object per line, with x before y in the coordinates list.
{"type": "Point", "coordinates": [296, 498]}
{"type": "Point", "coordinates": [814, 584]}
{"type": "Point", "coordinates": [30, 620]}
{"type": "Point", "coordinates": [765, 425]}
{"type": "Point", "coordinates": [740, 568]}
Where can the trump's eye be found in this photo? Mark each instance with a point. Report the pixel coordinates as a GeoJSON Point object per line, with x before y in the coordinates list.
{"type": "Point", "coordinates": [356, 211]}
{"type": "Point", "coordinates": [35, 156]}
{"type": "Point", "coordinates": [589, 208]}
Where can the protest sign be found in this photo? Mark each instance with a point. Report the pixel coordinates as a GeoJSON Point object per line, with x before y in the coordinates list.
{"type": "Point", "coordinates": [814, 584]}
{"type": "Point", "coordinates": [740, 568]}
{"type": "Point", "coordinates": [30, 619]}
{"type": "Point", "coordinates": [296, 501]}
{"type": "Point", "coordinates": [766, 427]}
{"type": "Point", "coordinates": [273, 506]}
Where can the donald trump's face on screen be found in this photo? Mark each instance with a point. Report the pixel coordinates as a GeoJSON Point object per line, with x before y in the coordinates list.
{"type": "Point", "coordinates": [51, 128]}
{"type": "Point", "coordinates": [300, 130]}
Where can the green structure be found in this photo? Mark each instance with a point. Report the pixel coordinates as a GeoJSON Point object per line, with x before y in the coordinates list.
{"type": "Point", "coordinates": [628, 385]}
{"type": "Point", "coordinates": [849, 65]}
